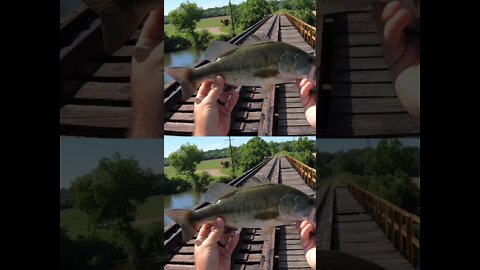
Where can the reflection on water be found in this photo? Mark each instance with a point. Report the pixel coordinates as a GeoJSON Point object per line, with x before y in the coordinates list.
{"type": "Point", "coordinates": [183, 58]}
{"type": "Point", "coordinates": [184, 200]}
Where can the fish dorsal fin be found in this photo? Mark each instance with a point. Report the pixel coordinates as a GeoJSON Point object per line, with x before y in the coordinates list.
{"type": "Point", "coordinates": [217, 49]}
{"type": "Point", "coordinates": [256, 181]}
{"type": "Point", "coordinates": [217, 191]}
{"type": "Point", "coordinates": [255, 39]}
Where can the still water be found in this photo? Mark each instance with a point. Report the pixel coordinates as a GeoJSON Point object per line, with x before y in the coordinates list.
{"type": "Point", "coordinates": [184, 200]}
{"type": "Point", "coordinates": [183, 58]}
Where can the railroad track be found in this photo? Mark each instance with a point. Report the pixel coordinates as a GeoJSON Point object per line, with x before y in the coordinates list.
{"type": "Point", "coordinates": [254, 251]}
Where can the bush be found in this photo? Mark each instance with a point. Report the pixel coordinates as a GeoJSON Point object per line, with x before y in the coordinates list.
{"type": "Point", "coordinates": [201, 39]}
{"type": "Point", "coordinates": [176, 42]}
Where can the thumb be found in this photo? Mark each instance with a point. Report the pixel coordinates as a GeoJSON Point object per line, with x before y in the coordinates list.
{"type": "Point", "coordinates": [218, 228]}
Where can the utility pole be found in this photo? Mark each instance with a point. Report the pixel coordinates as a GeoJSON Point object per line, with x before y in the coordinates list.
{"type": "Point", "coordinates": [231, 154]}
{"type": "Point", "coordinates": [231, 17]}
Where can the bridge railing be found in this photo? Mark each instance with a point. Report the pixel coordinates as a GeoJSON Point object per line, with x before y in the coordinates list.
{"type": "Point", "coordinates": [400, 226]}
{"type": "Point", "coordinates": [307, 173]}
{"type": "Point", "coordinates": [306, 30]}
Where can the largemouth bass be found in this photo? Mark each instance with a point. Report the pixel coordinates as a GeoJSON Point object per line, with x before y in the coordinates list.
{"type": "Point", "coordinates": [262, 206]}
{"type": "Point", "coordinates": [257, 62]}
{"type": "Point", "coordinates": [120, 18]}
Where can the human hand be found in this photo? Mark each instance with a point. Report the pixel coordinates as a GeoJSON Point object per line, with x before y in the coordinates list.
{"type": "Point", "coordinates": [308, 100]}
{"type": "Point", "coordinates": [212, 118]}
{"type": "Point", "coordinates": [402, 52]}
{"type": "Point", "coordinates": [146, 82]}
{"type": "Point", "coordinates": [208, 254]}
{"type": "Point", "coordinates": [308, 241]}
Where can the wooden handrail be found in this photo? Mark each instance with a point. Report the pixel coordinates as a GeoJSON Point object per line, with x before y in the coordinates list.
{"type": "Point", "coordinates": [307, 173]}
{"type": "Point", "coordinates": [307, 31]}
{"type": "Point", "coordinates": [400, 226]}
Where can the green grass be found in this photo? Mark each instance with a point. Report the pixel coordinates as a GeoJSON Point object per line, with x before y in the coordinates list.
{"type": "Point", "coordinates": [150, 211]}
{"type": "Point", "coordinates": [202, 24]}
{"type": "Point", "coordinates": [204, 165]}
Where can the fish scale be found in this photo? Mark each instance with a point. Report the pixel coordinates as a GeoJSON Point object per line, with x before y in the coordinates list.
{"type": "Point", "coordinates": [263, 206]}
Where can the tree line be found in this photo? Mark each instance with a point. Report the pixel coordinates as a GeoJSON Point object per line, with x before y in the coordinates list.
{"type": "Point", "coordinates": [386, 170]}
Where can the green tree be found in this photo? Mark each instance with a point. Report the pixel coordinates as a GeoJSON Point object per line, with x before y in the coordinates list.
{"type": "Point", "coordinates": [185, 17]}
{"type": "Point", "coordinates": [390, 158]}
{"type": "Point", "coordinates": [186, 159]}
{"type": "Point", "coordinates": [110, 194]}
{"type": "Point", "coordinates": [253, 11]}
{"type": "Point", "coordinates": [253, 152]}
{"type": "Point", "coordinates": [303, 144]}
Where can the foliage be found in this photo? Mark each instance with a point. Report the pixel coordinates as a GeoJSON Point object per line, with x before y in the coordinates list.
{"type": "Point", "coordinates": [186, 159]}
{"type": "Point", "coordinates": [252, 153]}
{"type": "Point", "coordinates": [252, 11]}
{"type": "Point", "coordinates": [185, 17]}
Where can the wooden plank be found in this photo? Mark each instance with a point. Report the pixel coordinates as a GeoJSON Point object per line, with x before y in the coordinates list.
{"type": "Point", "coordinates": [362, 39]}
{"type": "Point", "coordinates": [114, 70]}
{"type": "Point", "coordinates": [104, 91]}
{"type": "Point", "coordinates": [296, 131]}
{"type": "Point", "coordinates": [366, 105]}
{"type": "Point", "coordinates": [395, 124]}
{"type": "Point", "coordinates": [363, 51]}
{"type": "Point", "coordinates": [355, 27]}
{"type": "Point", "coordinates": [96, 116]}
{"type": "Point", "coordinates": [361, 90]}
{"type": "Point", "coordinates": [364, 76]}
{"type": "Point", "coordinates": [359, 64]}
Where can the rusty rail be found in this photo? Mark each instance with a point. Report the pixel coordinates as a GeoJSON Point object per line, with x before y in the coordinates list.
{"type": "Point", "coordinates": [307, 31]}
{"type": "Point", "coordinates": [307, 173]}
{"type": "Point", "coordinates": [400, 226]}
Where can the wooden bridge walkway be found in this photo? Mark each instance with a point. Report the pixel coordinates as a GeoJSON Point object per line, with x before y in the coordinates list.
{"type": "Point", "coordinates": [279, 250]}
{"type": "Point", "coordinates": [345, 225]}
{"type": "Point", "coordinates": [357, 97]}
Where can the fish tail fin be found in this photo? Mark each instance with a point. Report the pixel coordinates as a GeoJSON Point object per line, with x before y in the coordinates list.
{"type": "Point", "coordinates": [182, 218]}
{"type": "Point", "coordinates": [183, 76]}
{"type": "Point", "coordinates": [119, 20]}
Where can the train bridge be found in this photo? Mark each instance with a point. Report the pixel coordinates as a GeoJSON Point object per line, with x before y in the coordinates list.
{"type": "Point", "coordinates": [349, 219]}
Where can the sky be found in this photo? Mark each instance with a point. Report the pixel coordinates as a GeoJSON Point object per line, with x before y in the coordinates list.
{"type": "Point", "coordinates": [173, 143]}
{"type": "Point", "coordinates": [173, 4]}
{"type": "Point", "coordinates": [79, 156]}
{"type": "Point", "coordinates": [334, 145]}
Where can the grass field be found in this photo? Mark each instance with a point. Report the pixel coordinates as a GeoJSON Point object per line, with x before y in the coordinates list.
{"type": "Point", "coordinates": [213, 22]}
{"type": "Point", "coordinates": [204, 165]}
{"type": "Point", "coordinates": [150, 211]}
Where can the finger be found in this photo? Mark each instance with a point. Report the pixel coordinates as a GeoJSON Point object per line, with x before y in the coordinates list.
{"type": "Point", "coordinates": [224, 97]}
{"type": "Point", "coordinates": [204, 89]}
{"type": "Point", "coordinates": [232, 101]}
{"type": "Point", "coordinates": [224, 238]}
{"type": "Point", "coordinates": [152, 31]}
{"type": "Point", "coordinates": [204, 231]}
{"type": "Point", "coordinates": [390, 9]}
{"type": "Point", "coordinates": [233, 243]}
{"type": "Point", "coordinates": [305, 233]}
{"type": "Point", "coordinates": [218, 228]}
{"type": "Point", "coordinates": [305, 90]}
{"type": "Point", "coordinates": [394, 27]}
{"type": "Point", "coordinates": [214, 94]}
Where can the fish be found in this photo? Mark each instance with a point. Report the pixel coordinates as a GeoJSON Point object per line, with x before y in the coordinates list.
{"type": "Point", "coordinates": [257, 62]}
{"type": "Point", "coordinates": [258, 206]}
{"type": "Point", "coordinates": [338, 260]}
{"type": "Point", "coordinates": [120, 18]}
